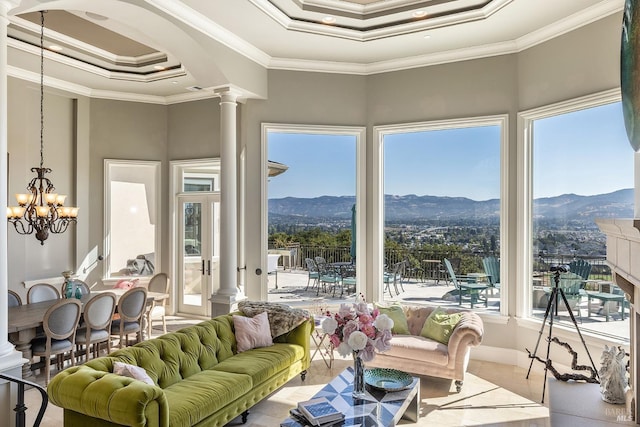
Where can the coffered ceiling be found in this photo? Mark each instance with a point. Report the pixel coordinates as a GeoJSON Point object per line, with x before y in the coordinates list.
{"type": "Point", "coordinates": [167, 50]}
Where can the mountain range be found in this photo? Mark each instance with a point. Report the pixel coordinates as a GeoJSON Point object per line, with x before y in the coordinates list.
{"type": "Point", "coordinates": [409, 208]}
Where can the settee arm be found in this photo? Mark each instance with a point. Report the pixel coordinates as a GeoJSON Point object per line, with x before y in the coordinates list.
{"type": "Point", "coordinates": [467, 333]}
{"type": "Point", "coordinates": [300, 335]}
{"type": "Point", "coordinates": [110, 397]}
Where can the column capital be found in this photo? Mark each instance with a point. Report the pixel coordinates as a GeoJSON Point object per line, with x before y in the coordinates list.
{"type": "Point", "coordinates": [229, 94]}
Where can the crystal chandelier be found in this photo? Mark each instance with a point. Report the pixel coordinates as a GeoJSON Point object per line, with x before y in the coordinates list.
{"type": "Point", "coordinates": [41, 210]}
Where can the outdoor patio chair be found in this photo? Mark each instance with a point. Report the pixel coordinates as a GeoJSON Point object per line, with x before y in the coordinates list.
{"type": "Point", "coordinates": [394, 276]}
{"type": "Point", "coordinates": [581, 268]}
{"type": "Point", "coordinates": [571, 284]}
{"type": "Point", "coordinates": [348, 275]}
{"type": "Point", "coordinates": [455, 266]}
{"type": "Point", "coordinates": [328, 275]}
{"type": "Point", "coordinates": [312, 270]}
{"type": "Point", "coordinates": [471, 290]}
{"type": "Point", "coordinates": [491, 266]}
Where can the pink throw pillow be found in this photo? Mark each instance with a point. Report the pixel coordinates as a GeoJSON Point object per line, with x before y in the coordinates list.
{"type": "Point", "coordinates": [252, 332]}
{"type": "Point", "coordinates": [126, 284]}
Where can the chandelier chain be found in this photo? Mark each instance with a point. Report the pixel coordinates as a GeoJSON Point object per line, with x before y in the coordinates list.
{"type": "Point", "coordinates": [41, 89]}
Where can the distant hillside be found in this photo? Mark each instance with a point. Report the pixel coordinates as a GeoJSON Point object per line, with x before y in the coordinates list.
{"type": "Point", "coordinates": [411, 208]}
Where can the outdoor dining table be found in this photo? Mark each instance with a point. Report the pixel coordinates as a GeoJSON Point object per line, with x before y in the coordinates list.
{"type": "Point", "coordinates": [24, 320]}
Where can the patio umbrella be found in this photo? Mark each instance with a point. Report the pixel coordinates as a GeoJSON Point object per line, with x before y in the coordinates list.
{"type": "Point", "coordinates": [353, 233]}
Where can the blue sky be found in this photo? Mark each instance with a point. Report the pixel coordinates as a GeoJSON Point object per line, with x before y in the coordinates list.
{"type": "Point", "coordinates": [584, 152]}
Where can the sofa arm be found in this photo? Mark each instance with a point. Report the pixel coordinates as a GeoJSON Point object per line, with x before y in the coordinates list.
{"type": "Point", "coordinates": [467, 333]}
{"type": "Point", "coordinates": [110, 397]}
{"type": "Point", "coordinates": [301, 335]}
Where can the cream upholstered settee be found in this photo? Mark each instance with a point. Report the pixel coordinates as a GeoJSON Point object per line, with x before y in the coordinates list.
{"type": "Point", "coordinates": [423, 356]}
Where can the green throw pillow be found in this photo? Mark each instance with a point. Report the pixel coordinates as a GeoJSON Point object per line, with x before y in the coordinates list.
{"type": "Point", "coordinates": [439, 325]}
{"type": "Point", "coordinates": [395, 312]}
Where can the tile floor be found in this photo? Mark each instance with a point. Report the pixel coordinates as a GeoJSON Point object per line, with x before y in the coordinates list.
{"type": "Point", "coordinates": [493, 395]}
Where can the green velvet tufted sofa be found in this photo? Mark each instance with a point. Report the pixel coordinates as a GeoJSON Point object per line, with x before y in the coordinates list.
{"type": "Point", "coordinates": [200, 379]}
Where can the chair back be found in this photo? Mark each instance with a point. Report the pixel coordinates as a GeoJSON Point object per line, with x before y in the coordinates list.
{"type": "Point", "coordinates": [581, 268]}
{"type": "Point", "coordinates": [14, 299]}
{"type": "Point", "coordinates": [42, 292]}
{"type": "Point", "coordinates": [570, 283]}
{"type": "Point", "coordinates": [491, 266]}
{"type": "Point", "coordinates": [452, 273]}
{"type": "Point", "coordinates": [132, 304]}
{"type": "Point", "coordinates": [159, 283]}
{"type": "Point", "coordinates": [98, 311]}
{"type": "Point", "coordinates": [320, 261]}
{"type": "Point", "coordinates": [311, 265]}
{"type": "Point", "coordinates": [61, 319]}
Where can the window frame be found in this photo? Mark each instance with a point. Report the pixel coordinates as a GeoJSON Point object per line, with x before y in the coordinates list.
{"type": "Point", "coordinates": [377, 190]}
{"type": "Point", "coordinates": [359, 132]}
{"type": "Point", "coordinates": [156, 170]}
{"type": "Point", "coordinates": [524, 168]}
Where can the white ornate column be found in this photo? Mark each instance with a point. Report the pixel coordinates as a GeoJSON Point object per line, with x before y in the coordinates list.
{"type": "Point", "coordinates": [227, 295]}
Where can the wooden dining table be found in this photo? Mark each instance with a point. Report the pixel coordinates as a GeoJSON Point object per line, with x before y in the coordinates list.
{"type": "Point", "coordinates": [24, 321]}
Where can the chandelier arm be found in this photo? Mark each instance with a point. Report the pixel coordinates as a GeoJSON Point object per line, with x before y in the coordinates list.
{"type": "Point", "coordinates": [19, 226]}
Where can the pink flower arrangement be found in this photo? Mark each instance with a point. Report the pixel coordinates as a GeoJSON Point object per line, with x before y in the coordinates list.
{"type": "Point", "coordinates": [356, 330]}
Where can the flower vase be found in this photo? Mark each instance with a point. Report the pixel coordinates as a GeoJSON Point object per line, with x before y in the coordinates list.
{"type": "Point", "coordinates": [358, 376]}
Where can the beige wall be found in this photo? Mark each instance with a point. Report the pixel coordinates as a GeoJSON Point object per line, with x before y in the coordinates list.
{"type": "Point", "coordinates": [28, 259]}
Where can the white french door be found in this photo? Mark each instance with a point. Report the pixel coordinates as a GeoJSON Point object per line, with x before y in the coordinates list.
{"type": "Point", "coordinates": [198, 252]}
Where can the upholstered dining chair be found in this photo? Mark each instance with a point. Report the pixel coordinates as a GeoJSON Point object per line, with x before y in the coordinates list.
{"type": "Point", "coordinates": [98, 315]}
{"type": "Point", "coordinates": [158, 283]}
{"type": "Point", "coordinates": [131, 308]}
{"type": "Point", "coordinates": [14, 299]}
{"type": "Point", "coordinates": [60, 324]}
{"type": "Point", "coordinates": [42, 292]}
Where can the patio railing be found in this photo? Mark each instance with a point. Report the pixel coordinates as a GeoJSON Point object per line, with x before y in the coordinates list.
{"type": "Point", "coordinates": [469, 261]}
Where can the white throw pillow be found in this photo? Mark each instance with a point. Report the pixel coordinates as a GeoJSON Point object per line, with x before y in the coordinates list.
{"type": "Point", "coordinates": [252, 332]}
{"type": "Point", "coordinates": [132, 371]}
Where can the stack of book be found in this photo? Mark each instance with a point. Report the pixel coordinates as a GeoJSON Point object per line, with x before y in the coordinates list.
{"type": "Point", "coordinates": [318, 412]}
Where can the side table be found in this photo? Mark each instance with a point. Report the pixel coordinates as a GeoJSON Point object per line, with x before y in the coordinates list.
{"type": "Point", "coordinates": [321, 340]}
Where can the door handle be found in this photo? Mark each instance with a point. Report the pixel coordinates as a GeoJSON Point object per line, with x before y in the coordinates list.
{"type": "Point", "coordinates": [202, 269]}
{"type": "Point", "coordinates": [209, 267]}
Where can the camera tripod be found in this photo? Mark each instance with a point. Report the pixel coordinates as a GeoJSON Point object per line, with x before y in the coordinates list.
{"type": "Point", "coordinates": [552, 307]}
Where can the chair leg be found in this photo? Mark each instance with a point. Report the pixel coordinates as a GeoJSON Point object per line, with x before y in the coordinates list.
{"type": "Point", "coordinates": [47, 372]}
{"type": "Point", "coordinates": [164, 323]}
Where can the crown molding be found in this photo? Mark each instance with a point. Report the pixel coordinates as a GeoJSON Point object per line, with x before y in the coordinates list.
{"type": "Point", "coordinates": [391, 29]}
{"type": "Point", "coordinates": [94, 69]}
{"type": "Point", "coordinates": [211, 29]}
{"type": "Point", "coordinates": [90, 50]}
{"type": "Point", "coordinates": [580, 19]}
{"type": "Point", "coordinates": [585, 17]}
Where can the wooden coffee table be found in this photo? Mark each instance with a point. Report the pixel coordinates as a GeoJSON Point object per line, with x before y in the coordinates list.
{"type": "Point", "coordinates": [377, 408]}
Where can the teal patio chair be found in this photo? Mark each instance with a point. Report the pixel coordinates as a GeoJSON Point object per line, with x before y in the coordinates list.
{"type": "Point", "coordinates": [312, 270]}
{"type": "Point", "coordinates": [491, 266]}
{"type": "Point", "coordinates": [580, 267]}
{"type": "Point", "coordinates": [471, 290]}
{"type": "Point", "coordinates": [571, 284]}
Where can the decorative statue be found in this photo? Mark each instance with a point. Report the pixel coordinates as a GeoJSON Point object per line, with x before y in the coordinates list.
{"type": "Point", "coordinates": [613, 376]}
